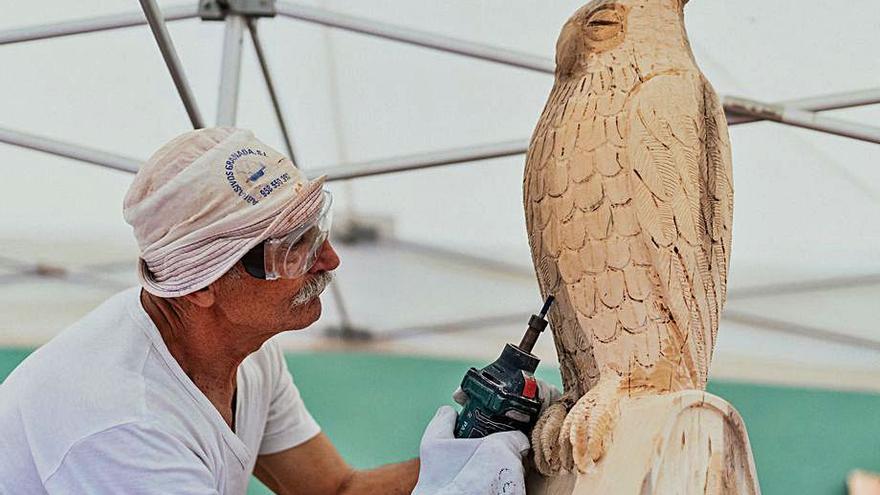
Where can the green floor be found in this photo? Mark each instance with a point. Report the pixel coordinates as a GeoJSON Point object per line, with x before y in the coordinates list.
{"type": "Point", "coordinates": [374, 407]}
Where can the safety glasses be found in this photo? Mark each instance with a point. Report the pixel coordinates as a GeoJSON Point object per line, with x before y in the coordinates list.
{"type": "Point", "coordinates": [294, 254]}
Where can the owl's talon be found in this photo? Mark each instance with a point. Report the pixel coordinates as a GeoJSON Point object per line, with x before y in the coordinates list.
{"type": "Point", "coordinates": [586, 430]}
{"type": "Point", "coordinates": [545, 438]}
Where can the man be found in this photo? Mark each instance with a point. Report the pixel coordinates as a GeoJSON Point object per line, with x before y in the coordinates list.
{"type": "Point", "coordinates": [175, 387]}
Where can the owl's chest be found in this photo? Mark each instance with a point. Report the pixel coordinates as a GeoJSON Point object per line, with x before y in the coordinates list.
{"type": "Point", "coordinates": [579, 137]}
{"type": "Point", "coordinates": [590, 119]}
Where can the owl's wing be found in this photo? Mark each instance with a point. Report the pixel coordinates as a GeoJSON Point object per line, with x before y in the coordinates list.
{"type": "Point", "coordinates": [679, 156]}
{"type": "Point", "coordinates": [584, 234]}
{"type": "Point", "coordinates": [554, 132]}
{"type": "Point", "coordinates": [720, 162]}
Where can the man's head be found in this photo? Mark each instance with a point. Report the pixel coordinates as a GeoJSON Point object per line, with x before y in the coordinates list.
{"type": "Point", "coordinates": [211, 197]}
{"type": "Point", "coordinates": [267, 306]}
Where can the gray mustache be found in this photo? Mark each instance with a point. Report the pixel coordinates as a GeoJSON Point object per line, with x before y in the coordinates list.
{"type": "Point", "coordinates": [312, 288]}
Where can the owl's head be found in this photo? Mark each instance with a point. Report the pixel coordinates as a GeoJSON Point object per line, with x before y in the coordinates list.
{"type": "Point", "coordinates": [627, 26]}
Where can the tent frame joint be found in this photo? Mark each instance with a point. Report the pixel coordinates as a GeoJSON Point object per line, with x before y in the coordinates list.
{"type": "Point", "coordinates": [217, 10]}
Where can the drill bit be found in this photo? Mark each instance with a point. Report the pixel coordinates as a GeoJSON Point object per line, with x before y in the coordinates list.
{"type": "Point", "coordinates": [537, 324]}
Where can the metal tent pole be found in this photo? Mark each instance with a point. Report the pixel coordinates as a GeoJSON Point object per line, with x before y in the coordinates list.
{"type": "Point", "coordinates": [759, 322]}
{"type": "Point", "coordinates": [802, 118]}
{"type": "Point", "coordinates": [780, 326]}
{"type": "Point", "coordinates": [466, 325]}
{"type": "Point", "coordinates": [92, 24]}
{"type": "Point", "coordinates": [58, 273]}
{"type": "Point", "coordinates": [364, 169]}
{"type": "Point", "coordinates": [834, 101]}
{"type": "Point", "coordinates": [423, 160]}
{"type": "Point", "coordinates": [519, 59]}
{"type": "Point", "coordinates": [415, 37]}
{"type": "Point", "coordinates": [799, 287]}
{"type": "Point", "coordinates": [347, 329]}
{"type": "Point", "coordinates": [166, 46]}
{"type": "Point", "coordinates": [270, 86]}
{"type": "Point", "coordinates": [67, 150]}
{"type": "Point", "coordinates": [472, 261]}
{"type": "Point", "coordinates": [230, 71]}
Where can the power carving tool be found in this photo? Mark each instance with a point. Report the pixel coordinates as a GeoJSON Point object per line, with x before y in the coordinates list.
{"type": "Point", "coordinates": [504, 395]}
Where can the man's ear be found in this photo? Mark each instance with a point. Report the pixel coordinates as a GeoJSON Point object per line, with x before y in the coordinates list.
{"type": "Point", "coordinates": [203, 298]}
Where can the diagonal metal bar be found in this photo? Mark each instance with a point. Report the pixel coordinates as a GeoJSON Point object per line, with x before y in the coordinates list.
{"type": "Point", "coordinates": [802, 118]}
{"type": "Point", "coordinates": [67, 150]}
{"type": "Point", "coordinates": [805, 286]}
{"type": "Point", "coordinates": [93, 24]}
{"type": "Point", "coordinates": [270, 86]}
{"type": "Point", "coordinates": [415, 37]}
{"type": "Point", "coordinates": [787, 327]}
{"type": "Point", "coordinates": [833, 101]}
{"type": "Point", "coordinates": [169, 54]}
{"type": "Point", "coordinates": [346, 328]}
{"type": "Point", "coordinates": [423, 160]}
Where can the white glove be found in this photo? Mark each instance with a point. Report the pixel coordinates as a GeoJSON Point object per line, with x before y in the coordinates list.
{"type": "Point", "coordinates": [547, 394]}
{"type": "Point", "coordinates": [463, 466]}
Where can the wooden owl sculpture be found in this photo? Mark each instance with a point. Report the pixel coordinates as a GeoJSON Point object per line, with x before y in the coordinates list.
{"type": "Point", "coordinates": [628, 199]}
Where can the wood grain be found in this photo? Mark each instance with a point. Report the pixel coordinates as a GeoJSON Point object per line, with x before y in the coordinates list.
{"type": "Point", "coordinates": [685, 442]}
{"type": "Point", "coordinates": [628, 196]}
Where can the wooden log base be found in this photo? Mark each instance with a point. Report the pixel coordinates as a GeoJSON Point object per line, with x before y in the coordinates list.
{"type": "Point", "coordinates": [687, 442]}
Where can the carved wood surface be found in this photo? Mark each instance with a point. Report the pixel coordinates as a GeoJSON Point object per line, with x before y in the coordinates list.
{"type": "Point", "coordinates": [687, 442]}
{"type": "Point", "coordinates": [628, 196]}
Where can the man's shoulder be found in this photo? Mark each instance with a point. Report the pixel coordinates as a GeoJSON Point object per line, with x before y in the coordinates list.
{"type": "Point", "coordinates": [86, 380]}
{"type": "Point", "coordinates": [101, 355]}
{"type": "Point", "coordinates": [93, 350]}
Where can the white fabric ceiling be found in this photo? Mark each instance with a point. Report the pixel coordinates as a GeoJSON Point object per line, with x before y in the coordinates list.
{"type": "Point", "coordinates": [806, 203]}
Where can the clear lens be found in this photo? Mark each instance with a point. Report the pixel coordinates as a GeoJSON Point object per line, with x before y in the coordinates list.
{"type": "Point", "coordinates": [293, 255]}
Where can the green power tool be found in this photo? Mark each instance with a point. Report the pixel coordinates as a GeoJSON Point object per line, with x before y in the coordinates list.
{"type": "Point", "coordinates": [504, 395]}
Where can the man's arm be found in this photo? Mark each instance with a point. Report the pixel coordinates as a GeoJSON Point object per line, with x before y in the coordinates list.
{"type": "Point", "coordinates": [316, 468]}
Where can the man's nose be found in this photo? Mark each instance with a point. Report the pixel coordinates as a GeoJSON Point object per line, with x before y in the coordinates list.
{"type": "Point", "coordinates": [327, 259]}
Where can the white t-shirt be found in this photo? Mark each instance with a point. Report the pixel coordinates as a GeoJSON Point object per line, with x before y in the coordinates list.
{"type": "Point", "coordinates": [104, 408]}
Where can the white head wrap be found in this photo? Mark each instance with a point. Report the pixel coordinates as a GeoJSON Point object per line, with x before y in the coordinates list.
{"type": "Point", "coordinates": [205, 199]}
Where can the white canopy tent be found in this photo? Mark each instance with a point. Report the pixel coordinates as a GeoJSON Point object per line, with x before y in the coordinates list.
{"type": "Point", "coordinates": [450, 273]}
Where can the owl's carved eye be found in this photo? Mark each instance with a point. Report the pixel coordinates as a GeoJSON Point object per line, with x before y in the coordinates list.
{"type": "Point", "coordinates": [604, 24]}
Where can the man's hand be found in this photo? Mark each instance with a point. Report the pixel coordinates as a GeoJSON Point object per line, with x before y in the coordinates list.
{"type": "Point", "coordinates": [460, 466]}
